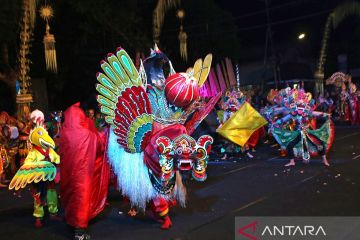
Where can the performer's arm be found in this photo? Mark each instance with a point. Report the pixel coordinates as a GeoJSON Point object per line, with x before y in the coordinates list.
{"type": "Point", "coordinates": [54, 157]}
{"type": "Point", "coordinates": [320, 114]}
{"type": "Point", "coordinates": [283, 119]}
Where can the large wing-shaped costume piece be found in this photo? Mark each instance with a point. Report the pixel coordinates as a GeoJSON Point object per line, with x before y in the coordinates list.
{"type": "Point", "coordinates": [124, 101]}
{"type": "Point", "coordinates": [33, 173]}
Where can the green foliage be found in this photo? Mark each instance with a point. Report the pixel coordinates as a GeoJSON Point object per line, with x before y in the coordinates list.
{"type": "Point", "coordinates": [343, 11]}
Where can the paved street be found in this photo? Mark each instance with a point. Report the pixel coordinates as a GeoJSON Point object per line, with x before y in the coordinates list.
{"type": "Point", "coordinates": [235, 187]}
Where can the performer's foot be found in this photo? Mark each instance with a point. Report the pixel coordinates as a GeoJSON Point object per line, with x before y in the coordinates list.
{"type": "Point", "coordinates": [55, 217]}
{"type": "Point", "coordinates": [283, 153]}
{"type": "Point", "coordinates": [224, 157]}
{"type": "Point", "coordinates": [325, 161]}
{"type": "Point", "coordinates": [83, 236]}
{"type": "Point", "coordinates": [3, 185]}
{"type": "Point", "coordinates": [167, 223]}
{"type": "Point", "coordinates": [291, 163]}
{"type": "Point", "coordinates": [132, 212]}
{"type": "Point", "coordinates": [249, 155]}
{"type": "Point", "coordinates": [38, 223]}
{"type": "Point", "coordinates": [253, 150]}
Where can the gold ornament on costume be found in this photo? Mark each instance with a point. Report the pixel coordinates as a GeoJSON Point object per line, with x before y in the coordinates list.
{"type": "Point", "coordinates": [46, 12]}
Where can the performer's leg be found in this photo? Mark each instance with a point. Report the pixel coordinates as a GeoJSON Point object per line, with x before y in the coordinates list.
{"type": "Point", "coordinates": [52, 200]}
{"type": "Point", "coordinates": [322, 151]}
{"type": "Point", "coordinates": [80, 234]}
{"type": "Point", "coordinates": [38, 195]}
{"type": "Point", "coordinates": [283, 152]}
{"type": "Point", "coordinates": [246, 150]}
{"type": "Point", "coordinates": [160, 208]}
{"type": "Point", "coordinates": [290, 150]}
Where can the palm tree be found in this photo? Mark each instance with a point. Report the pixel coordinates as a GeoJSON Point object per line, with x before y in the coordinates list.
{"type": "Point", "coordinates": [341, 12]}
{"type": "Point", "coordinates": [160, 10]}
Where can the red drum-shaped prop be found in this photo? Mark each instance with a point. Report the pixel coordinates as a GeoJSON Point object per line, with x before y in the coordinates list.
{"type": "Point", "coordinates": [181, 90]}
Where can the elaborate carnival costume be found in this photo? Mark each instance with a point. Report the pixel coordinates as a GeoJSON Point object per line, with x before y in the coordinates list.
{"type": "Point", "coordinates": [54, 125]}
{"type": "Point", "coordinates": [349, 105]}
{"type": "Point", "coordinates": [9, 143]}
{"type": "Point", "coordinates": [354, 95]}
{"type": "Point", "coordinates": [4, 160]}
{"type": "Point", "coordinates": [84, 170]}
{"type": "Point", "coordinates": [39, 170]}
{"type": "Point", "coordinates": [149, 141]}
{"type": "Point", "coordinates": [24, 143]}
{"type": "Point", "coordinates": [239, 121]}
{"type": "Point", "coordinates": [291, 125]}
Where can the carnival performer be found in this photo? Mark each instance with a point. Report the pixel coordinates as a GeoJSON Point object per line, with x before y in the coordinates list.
{"type": "Point", "coordinates": [338, 82]}
{"type": "Point", "coordinates": [84, 170]}
{"type": "Point", "coordinates": [296, 106]}
{"type": "Point", "coordinates": [4, 160]}
{"type": "Point", "coordinates": [39, 170]}
{"type": "Point", "coordinates": [9, 144]}
{"type": "Point", "coordinates": [24, 143]}
{"type": "Point", "coordinates": [239, 121]}
{"type": "Point", "coordinates": [354, 103]}
{"type": "Point", "coordinates": [149, 142]}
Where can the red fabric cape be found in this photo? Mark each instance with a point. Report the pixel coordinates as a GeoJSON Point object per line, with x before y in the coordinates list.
{"type": "Point", "coordinates": [254, 139]}
{"type": "Point", "coordinates": [84, 169]}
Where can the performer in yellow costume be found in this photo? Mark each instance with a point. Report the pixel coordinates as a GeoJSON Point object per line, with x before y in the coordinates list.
{"type": "Point", "coordinates": [39, 170]}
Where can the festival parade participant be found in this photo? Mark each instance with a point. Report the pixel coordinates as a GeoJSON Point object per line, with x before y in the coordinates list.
{"type": "Point", "coordinates": [348, 106]}
{"type": "Point", "coordinates": [39, 170]}
{"type": "Point", "coordinates": [239, 121]}
{"type": "Point", "coordinates": [303, 140]}
{"type": "Point", "coordinates": [149, 142]}
{"type": "Point", "coordinates": [84, 170]}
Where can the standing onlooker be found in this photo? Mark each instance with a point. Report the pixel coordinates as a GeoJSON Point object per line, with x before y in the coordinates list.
{"type": "Point", "coordinates": [84, 170]}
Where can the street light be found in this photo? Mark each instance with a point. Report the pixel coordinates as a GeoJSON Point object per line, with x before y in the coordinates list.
{"type": "Point", "coordinates": [301, 36]}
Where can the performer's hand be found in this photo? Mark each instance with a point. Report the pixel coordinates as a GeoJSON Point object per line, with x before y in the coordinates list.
{"type": "Point", "coordinates": [57, 177]}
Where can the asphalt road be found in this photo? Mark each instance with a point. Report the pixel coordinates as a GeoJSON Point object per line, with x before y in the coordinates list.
{"type": "Point", "coordinates": [235, 187]}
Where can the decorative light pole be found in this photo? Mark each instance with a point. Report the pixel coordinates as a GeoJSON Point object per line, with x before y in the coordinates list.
{"type": "Point", "coordinates": [24, 97]}
{"type": "Point", "coordinates": [46, 12]}
{"type": "Point", "coordinates": [182, 36]}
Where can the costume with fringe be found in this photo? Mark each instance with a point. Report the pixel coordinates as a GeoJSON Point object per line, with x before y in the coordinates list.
{"type": "Point", "coordinates": [149, 140]}
{"type": "Point", "coordinates": [39, 170]}
{"type": "Point", "coordinates": [293, 124]}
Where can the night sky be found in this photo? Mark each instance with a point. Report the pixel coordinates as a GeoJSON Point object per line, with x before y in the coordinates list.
{"type": "Point", "coordinates": [86, 31]}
